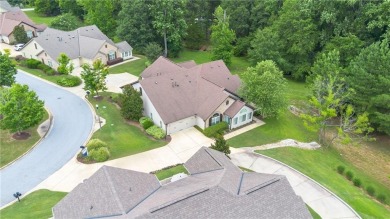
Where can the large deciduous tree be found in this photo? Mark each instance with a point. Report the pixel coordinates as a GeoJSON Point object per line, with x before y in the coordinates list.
{"type": "Point", "coordinates": [7, 70]}
{"type": "Point", "coordinates": [103, 14]}
{"type": "Point", "coordinates": [265, 86]}
{"type": "Point", "coordinates": [153, 51]}
{"type": "Point", "coordinates": [94, 77]}
{"type": "Point", "coordinates": [20, 108]}
{"type": "Point", "coordinates": [65, 66]}
{"type": "Point", "coordinates": [137, 32]}
{"type": "Point", "coordinates": [326, 63]}
{"type": "Point", "coordinates": [168, 20]}
{"type": "Point", "coordinates": [47, 7]}
{"type": "Point", "coordinates": [65, 22]}
{"type": "Point", "coordinates": [369, 76]}
{"type": "Point", "coordinates": [131, 104]}
{"type": "Point", "coordinates": [222, 37]}
{"type": "Point", "coordinates": [71, 6]}
{"type": "Point", "coordinates": [20, 34]}
{"type": "Point", "coordinates": [329, 108]}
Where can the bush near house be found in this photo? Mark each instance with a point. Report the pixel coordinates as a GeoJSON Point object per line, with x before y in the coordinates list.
{"type": "Point", "coordinates": [97, 150]}
{"type": "Point", "coordinates": [32, 63]}
{"type": "Point", "coordinates": [146, 122]}
{"type": "Point", "coordinates": [215, 130]}
{"type": "Point", "coordinates": [357, 182]}
{"type": "Point", "coordinates": [340, 169]}
{"type": "Point", "coordinates": [370, 190]}
{"type": "Point", "coordinates": [156, 132]}
{"type": "Point", "coordinates": [349, 175]}
{"type": "Point", "coordinates": [69, 81]}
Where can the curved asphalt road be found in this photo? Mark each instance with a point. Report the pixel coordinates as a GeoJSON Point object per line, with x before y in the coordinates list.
{"type": "Point", "coordinates": [72, 123]}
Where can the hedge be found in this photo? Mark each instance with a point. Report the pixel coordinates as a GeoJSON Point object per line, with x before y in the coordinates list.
{"type": "Point", "coordinates": [156, 132]}
{"type": "Point", "coordinates": [69, 81]}
{"type": "Point", "coordinates": [32, 63]}
{"type": "Point", "coordinates": [100, 154]}
{"type": "Point", "coordinates": [216, 129]}
{"type": "Point", "coordinates": [146, 122]}
{"type": "Point", "coordinates": [96, 144]}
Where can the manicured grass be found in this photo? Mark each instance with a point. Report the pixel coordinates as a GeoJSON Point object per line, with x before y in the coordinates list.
{"type": "Point", "coordinates": [134, 67]}
{"type": "Point", "coordinates": [321, 165]}
{"type": "Point", "coordinates": [10, 149]}
{"type": "Point", "coordinates": [39, 19]}
{"type": "Point", "coordinates": [238, 65]}
{"type": "Point", "coordinates": [313, 213]}
{"type": "Point", "coordinates": [41, 74]}
{"type": "Point", "coordinates": [35, 205]}
{"type": "Point", "coordinates": [298, 93]}
{"type": "Point", "coordinates": [122, 138]}
{"type": "Point", "coordinates": [163, 174]}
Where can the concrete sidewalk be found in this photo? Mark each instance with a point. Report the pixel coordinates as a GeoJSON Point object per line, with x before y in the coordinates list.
{"type": "Point", "coordinates": [324, 202]}
{"type": "Point", "coordinates": [239, 131]}
{"type": "Point", "coordinates": [183, 145]}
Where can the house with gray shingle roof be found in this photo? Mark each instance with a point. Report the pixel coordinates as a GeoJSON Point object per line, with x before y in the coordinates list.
{"type": "Point", "coordinates": [215, 188]}
{"type": "Point", "coordinates": [83, 45]}
{"type": "Point", "coordinates": [182, 95]}
{"type": "Point", "coordinates": [11, 17]}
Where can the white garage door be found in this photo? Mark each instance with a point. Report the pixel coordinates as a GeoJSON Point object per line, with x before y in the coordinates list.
{"type": "Point", "coordinates": [180, 125]}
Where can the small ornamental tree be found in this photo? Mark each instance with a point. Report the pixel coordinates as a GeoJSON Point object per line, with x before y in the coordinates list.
{"type": "Point", "coordinates": [20, 34]}
{"type": "Point", "coordinates": [131, 104]}
{"type": "Point", "coordinates": [66, 22]}
{"type": "Point", "coordinates": [65, 67]}
{"type": "Point", "coordinates": [20, 108]}
{"type": "Point", "coordinates": [7, 70]}
{"type": "Point", "coordinates": [94, 77]}
{"type": "Point", "coordinates": [221, 145]}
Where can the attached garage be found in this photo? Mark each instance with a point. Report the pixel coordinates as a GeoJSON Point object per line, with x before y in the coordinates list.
{"type": "Point", "coordinates": [181, 124]}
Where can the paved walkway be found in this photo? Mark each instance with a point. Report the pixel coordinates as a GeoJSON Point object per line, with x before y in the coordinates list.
{"type": "Point", "coordinates": [183, 145]}
{"type": "Point", "coordinates": [286, 143]}
{"type": "Point", "coordinates": [324, 202]}
{"type": "Point", "coordinates": [244, 129]}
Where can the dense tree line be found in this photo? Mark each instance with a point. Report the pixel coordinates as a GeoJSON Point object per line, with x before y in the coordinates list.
{"type": "Point", "coordinates": [303, 38]}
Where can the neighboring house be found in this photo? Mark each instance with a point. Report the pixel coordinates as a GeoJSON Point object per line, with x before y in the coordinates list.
{"type": "Point", "coordinates": [215, 188]}
{"type": "Point", "coordinates": [10, 19]}
{"type": "Point", "coordinates": [5, 6]}
{"type": "Point", "coordinates": [83, 45]}
{"type": "Point", "coordinates": [179, 96]}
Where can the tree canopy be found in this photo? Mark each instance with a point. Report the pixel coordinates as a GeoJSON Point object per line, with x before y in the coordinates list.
{"type": "Point", "coordinates": [7, 70]}
{"type": "Point", "coordinates": [131, 104]}
{"type": "Point", "coordinates": [65, 22]}
{"type": "Point", "coordinates": [20, 107]}
{"type": "Point", "coordinates": [94, 77]}
{"type": "Point", "coordinates": [20, 34]}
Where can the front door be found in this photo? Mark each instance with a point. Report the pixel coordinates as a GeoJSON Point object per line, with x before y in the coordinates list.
{"type": "Point", "coordinates": [226, 119]}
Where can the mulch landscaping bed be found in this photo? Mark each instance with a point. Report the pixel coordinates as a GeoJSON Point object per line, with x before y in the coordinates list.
{"type": "Point", "coordinates": [21, 136]}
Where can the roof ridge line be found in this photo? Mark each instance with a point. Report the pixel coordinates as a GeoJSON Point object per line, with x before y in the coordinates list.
{"type": "Point", "coordinates": [239, 185]}
{"type": "Point", "coordinates": [114, 190]}
{"type": "Point", "coordinates": [262, 185]}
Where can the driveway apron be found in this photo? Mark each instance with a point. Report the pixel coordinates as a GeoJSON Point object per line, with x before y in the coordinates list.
{"type": "Point", "coordinates": [72, 124]}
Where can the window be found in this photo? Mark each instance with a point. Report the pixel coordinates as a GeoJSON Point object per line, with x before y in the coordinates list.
{"type": "Point", "coordinates": [215, 119]}
{"type": "Point", "coordinates": [243, 118]}
{"type": "Point", "coordinates": [151, 116]}
{"type": "Point", "coordinates": [49, 63]}
{"type": "Point", "coordinates": [226, 119]}
{"type": "Point", "coordinates": [160, 124]}
{"type": "Point", "coordinates": [235, 121]}
{"type": "Point", "coordinates": [105, 45]}
{"type": "Point", "coordinates": [35, 46]}
{"type": "Point", "coordinates": [140, 91]}
{"type": "Point", "coordinates": [45, 54]}
{"type": "Point", "coordinates": [250, 115]}
{"type": "Point", "coordinates": [111, 55]}
{"type": "Point", "coordinates": [29, 34]}
{"type": "Point", "coordinates": [227, 102]}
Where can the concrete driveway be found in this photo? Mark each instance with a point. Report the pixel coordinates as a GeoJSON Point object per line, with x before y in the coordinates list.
{"type": "Point", "coordinates": [11, 48]}
{"type": "Point", "coordinates": [183, 145]}
{"type": "Point", "coordinates": [72, 124]}
{"type": "Point", "coordinates": [324, 202]}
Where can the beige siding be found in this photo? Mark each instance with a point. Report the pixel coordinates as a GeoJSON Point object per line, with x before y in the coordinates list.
{"type": "Point", "coordinates": [221, 109]}
{"type": "Point", "coordinates": [104, 51]}
{"type": "Point", "coordinates": [45, 58]}
{"type": "Point", "coordinates": [29, 51]}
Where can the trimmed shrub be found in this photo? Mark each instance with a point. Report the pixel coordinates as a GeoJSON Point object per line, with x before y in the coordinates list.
{"type": "Point", "coordinates": [100, 154]}
{"type": "Point", "coordinates": [381, 198]}
{"type": "Point", "coordinates": [69, 81]}
{"type": "Point", "coordinates": [32, 63]}
{"type": "Point", "coordinates": [146, 122]}
{"type": "Point", "coordinates": [19, 58]}
{"type": "Point", "coordinates": [340, 169]}
{"type": "Point", "coordinates": [95, 143]}
{"type": "Point", "coordinates": [215, 130]}
{"type": "Point", "coordinates": [349, 175]}
{"type": "Point", "coordinates": [50, 72]}
{"type": "Point", "coordinates": [357, 182]}
{"type": "Point", "coordinates": [370, 190]}
{"type": "Point", "coordinates": [156, 132]}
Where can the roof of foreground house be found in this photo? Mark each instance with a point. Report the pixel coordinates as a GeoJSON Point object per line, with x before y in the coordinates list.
{"type": "Point", "coordinates": [178, 91]}
{"type": "Point", "coordinates": [82, 42]}
{"type": "Point", "coordinates": [215, 188]}
{"type": "Point", "coordinates": [10, 19]}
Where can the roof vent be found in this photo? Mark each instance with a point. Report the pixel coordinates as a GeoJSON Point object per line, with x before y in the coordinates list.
{"type": "Point", "coordinates": [228, 78]}
{"type": "Point", "coordinates": [189, 81]}
{"type": "Point", "coordinates": [155, 82]}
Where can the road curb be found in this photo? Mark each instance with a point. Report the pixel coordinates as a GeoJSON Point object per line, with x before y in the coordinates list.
{"type": "Point", "coordinates": [336, 196]}
{"type": "Point", "coordinates": [36, 143]}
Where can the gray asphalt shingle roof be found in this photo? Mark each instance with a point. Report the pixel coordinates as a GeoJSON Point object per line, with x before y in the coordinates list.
{"type": "Point", "coordinates": [219, 189]}
{"type": "Point", "coordinates": [10, 19]}
{"type": "Point", "coordinates": [179, 92]}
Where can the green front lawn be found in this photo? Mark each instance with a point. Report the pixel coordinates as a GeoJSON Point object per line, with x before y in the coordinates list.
{"type": "Point", "coordinates": [164, 174]}
{"type": "Point", "coordinates": [35, 205]}
{"type": "Point", "coordinates": [321, 165]}
{"type": "Point", "coordinates": [134, 67]}
{"type": "Point", "coordinates": [39, 19]}
{"type": "Point", "coordinates": [313, 213]}
{"type": "Point", "coordinates": [41, 74]}
{"type": "Point", "coordinates": [10, 149]}
{"type": "Point", "coordinates": [122, 138]}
